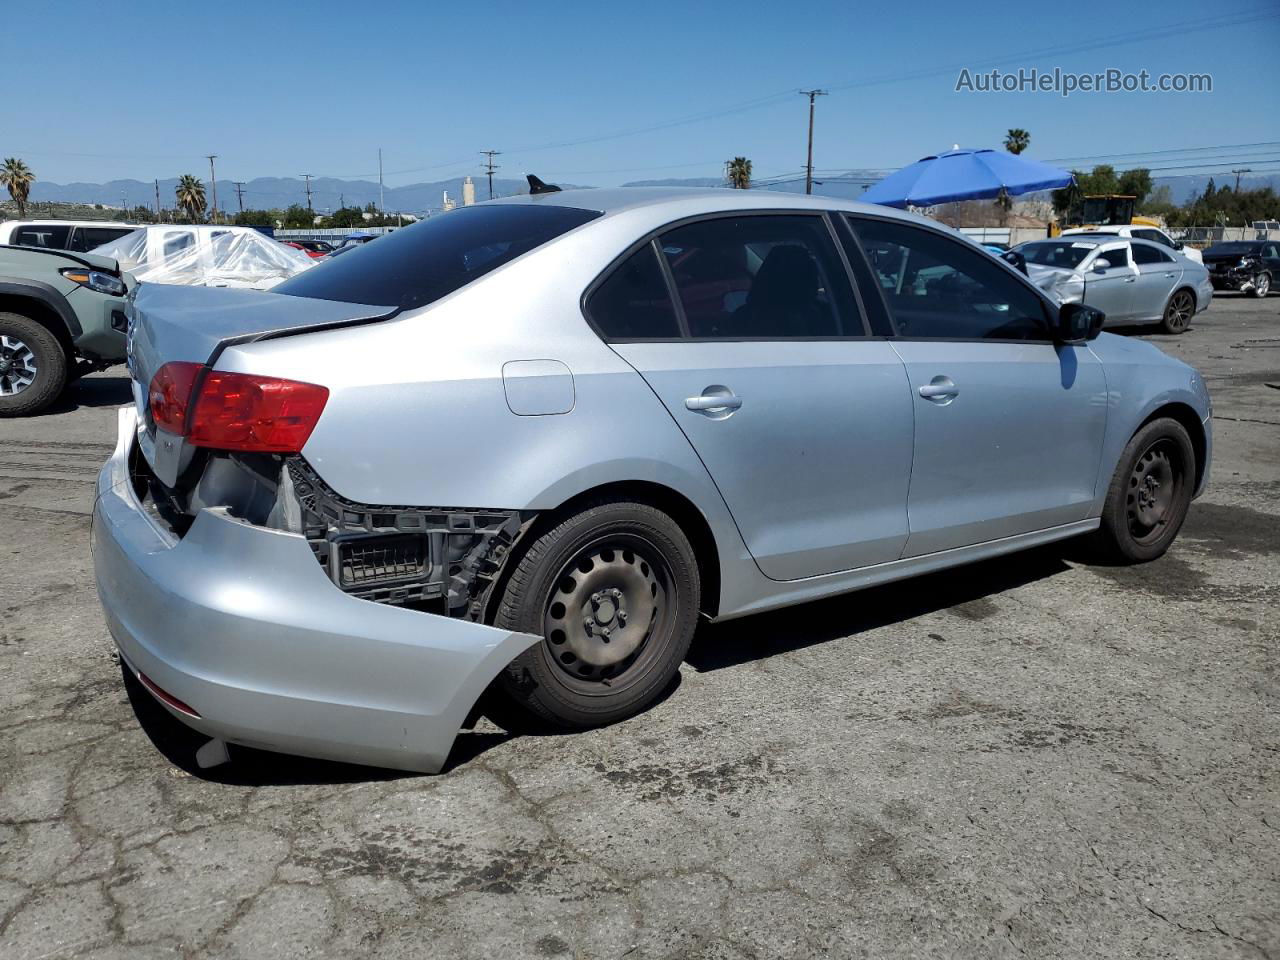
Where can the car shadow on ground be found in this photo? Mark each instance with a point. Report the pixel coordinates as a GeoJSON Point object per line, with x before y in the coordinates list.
{"type": "Point", "coordinates": [91, 392]}
{"type": "Point", "coordinates": [966, 590]}
{"type": "Point", "coordinates": [716, 646]}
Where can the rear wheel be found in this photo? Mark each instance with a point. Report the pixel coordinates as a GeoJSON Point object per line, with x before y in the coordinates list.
{"type": "Point", "coordinates": [1149, 494]}
{"type": "Point", "coordinates": [613, 591]}
{"type": "Point", "coordinates": [1261, 285]}
{"type": "Point", "coordinates": [33, 366]}
{"type": "Point", "coordinates": [1179, 311]}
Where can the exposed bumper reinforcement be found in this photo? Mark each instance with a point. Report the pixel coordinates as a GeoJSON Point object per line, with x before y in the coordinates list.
{"type": "Point", "coordinates": [240, 622]}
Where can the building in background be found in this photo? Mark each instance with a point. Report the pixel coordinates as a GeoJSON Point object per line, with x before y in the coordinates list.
{"type": "Point", "coordinates": [468, 192]}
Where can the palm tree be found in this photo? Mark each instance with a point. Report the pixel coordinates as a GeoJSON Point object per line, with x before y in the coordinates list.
{"type": "Point", "coordinates": [18, 178]}
{"type": "Point", "coordinates": [738, 173]}
{"type": "Point", "coordinates": [190, 195]}
{"type": "Point", "coordinates": [1017, 140]}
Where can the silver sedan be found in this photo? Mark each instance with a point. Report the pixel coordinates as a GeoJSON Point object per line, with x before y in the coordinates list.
{"type": "Point", "coordinates": [1132, 281]}
{"type": "Point", "coordinates": [508, 458]}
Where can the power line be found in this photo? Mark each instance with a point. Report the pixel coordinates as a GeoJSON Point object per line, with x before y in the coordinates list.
{"type": "Point", "coordinates": [1155, 153]}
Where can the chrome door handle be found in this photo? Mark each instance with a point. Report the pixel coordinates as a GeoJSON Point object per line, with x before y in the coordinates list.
{"type": "Point", "coordinates": [940, 390]}
{"type": "Point", "coordinates": [1171, 276]}
{"type": "Point", "coordinates": [716, 402]}
{"type": "Point", "coordinates": [1131, 280]}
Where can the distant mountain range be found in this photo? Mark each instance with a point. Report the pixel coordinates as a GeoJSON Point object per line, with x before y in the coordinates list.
{"type": "Point", "coordinates": [266, 193]}
{"type": "Point", "coordinates": [328, 194]}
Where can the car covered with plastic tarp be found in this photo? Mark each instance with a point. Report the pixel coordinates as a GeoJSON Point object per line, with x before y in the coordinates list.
{"type": "Point", "coordinates": [206, 256]}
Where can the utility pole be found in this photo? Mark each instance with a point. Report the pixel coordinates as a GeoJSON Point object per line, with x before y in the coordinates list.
{"type": "Point", "coordinates": [157, 201]}
{"type": "Point", "coordinates": [489, 167]}
{"type": "Point", "coordinates": [808, 167]}
{"type": "Point", "coordinates": [213, 179]}
{"type": "Point", "coordinates": [307, 177]}
{"type": "Point", "coordinates": [381, 209]}
{"type": "Point", "coordinates": [239, 193]}
{"type": "Point", "coordinates": [1238, 172]}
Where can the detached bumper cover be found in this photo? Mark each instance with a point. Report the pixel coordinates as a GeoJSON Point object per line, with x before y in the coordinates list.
{"type": "Point", "coordinates": [242, 624]}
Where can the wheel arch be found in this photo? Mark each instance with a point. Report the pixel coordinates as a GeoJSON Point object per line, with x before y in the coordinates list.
{"type": "Point", "coordinates": [43, 304]}
{"type": "Point", "coordinates": [670, 501]}
{"type": "Point", "coordinates": [1186, 415]}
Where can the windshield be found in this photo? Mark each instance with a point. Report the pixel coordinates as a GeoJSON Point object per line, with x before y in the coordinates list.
{"type": "Point", "coordinates": [420, 264]}
{"type": "Point", "coordinates": [1057, 253]}
{"type": "Point", "coordinates": [1232, 249]}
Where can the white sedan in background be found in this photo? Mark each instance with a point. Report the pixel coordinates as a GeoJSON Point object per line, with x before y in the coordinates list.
{"type": "Point", "coordinates": [1131, 281]}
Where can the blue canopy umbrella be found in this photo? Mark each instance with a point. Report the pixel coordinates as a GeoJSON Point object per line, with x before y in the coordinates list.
{"type": "Point", "coordinates": [964, 175]}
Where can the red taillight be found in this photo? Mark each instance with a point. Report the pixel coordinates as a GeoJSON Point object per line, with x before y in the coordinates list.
{"type": "Point", "coordinates": [236, 411]}
{"type": "Point", "coordinates": [169, 395]}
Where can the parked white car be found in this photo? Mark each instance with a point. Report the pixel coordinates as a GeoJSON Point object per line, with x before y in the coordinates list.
{"type": "Point", "coordinates": [206, 256]}
{"type": "Point", "coordinates": [77, 235]}
{"type": "Point", "coordinates": [1133, 232]}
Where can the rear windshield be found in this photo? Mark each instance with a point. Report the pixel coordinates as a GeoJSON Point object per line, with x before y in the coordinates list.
{"type": "Point", "coordinates": [431, 259]}
{"type": "Point", "coordinates": [1233, 247]}
{"type": "Point", "coordinates": [1057, 253]}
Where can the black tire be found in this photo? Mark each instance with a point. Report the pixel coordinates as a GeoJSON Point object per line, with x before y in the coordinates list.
{"type": "Point", "coordinates": [613, 590]}
{"type": "Point", "coordinates": [1149, 494]}
{"type": "Point", "coordinates": [1179, 311]}
{"type": "Point", "coordinates": [25, 344]}
{"type": "Point", "coordinates": [1261, 285]}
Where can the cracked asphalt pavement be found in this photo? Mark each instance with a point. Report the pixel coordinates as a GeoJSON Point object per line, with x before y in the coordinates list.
{"type": "Point", "coordinates": [1028, 757]}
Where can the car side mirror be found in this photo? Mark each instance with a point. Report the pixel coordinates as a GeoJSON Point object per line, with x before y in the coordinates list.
{"type": "Point", "coordinates": [1079, 323]}
{"type": "Point", "coordinates": [1016, 259]}
{"type": "Point", "coordinates": [1101, 265]}
{"type": "Point", "coordinates": [1178, 244]}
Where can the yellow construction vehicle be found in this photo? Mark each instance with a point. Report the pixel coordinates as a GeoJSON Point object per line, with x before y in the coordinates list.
{"type": "Point", "coordinates": [1103, 210]}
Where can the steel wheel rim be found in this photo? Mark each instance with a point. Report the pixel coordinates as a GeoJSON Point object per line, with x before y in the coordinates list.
{"type": "Point", "coordinates": [603, 611]}
{"type": "Point", "coordinates": [1154, 484]}
{"type": "Point", "coordinates": [18, 366]}
{"type": "Point", "coordinates": [1180, 310]}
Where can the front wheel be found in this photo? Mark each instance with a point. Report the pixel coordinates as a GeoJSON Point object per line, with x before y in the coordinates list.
{"type": "Point", "coordinates": [1149, 494]}
{"type": "Point", "coordinates": [613, 590]}
{"type": "Point", "coordinates": [1261, 285]}
{"type": "Point", "coordinates": [33, 366]}
{"type": "Point", "coordinates": [1178, 312]}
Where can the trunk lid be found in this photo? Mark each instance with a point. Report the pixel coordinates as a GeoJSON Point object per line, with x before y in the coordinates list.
{"type": "Point", "coordinates": [195, 324]}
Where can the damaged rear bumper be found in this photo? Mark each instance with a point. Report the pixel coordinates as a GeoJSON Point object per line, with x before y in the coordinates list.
{"type": "Point", "coordinates": [241, 624]}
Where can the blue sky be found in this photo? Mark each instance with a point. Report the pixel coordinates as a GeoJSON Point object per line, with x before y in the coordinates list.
{"type": "Point", "coordinates": [317, 86]}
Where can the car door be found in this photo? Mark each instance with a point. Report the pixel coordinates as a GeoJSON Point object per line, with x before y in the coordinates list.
{"type": "Point", "coordinates": [747, 329]}
{"type": "Point", "coordinates": [1158, 274]}
{"type": "Point", "coordinates": [1008, 424]}
{"type": "Point", "coordinates": [1110, 288]}
{"type": "Point", "coordinates": [1271, 257]}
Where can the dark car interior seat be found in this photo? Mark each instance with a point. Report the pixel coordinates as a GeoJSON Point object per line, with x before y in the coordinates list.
{"type": "Point", "coordinates": [785, 298]}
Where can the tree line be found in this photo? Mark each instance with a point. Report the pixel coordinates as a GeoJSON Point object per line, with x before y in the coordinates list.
{"type": "Point", "coordinates": [1216, 206]}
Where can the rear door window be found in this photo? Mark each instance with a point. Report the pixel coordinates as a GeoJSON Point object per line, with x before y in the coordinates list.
{"type": "Point", "coordinates": [633, 302]}
{"type": "Point", "coordinates": [761, 277]}
{"type": "Point", "coordinates": [51, 236]}
{"type": "Point", "coordinates": [420, 264]}
{"type": "Point", "coordinates": [85, 239]}
{"type": "Point", "coordinates": [1143, 255]}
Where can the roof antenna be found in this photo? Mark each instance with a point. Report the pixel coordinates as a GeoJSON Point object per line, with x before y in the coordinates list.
{"type": "Point", "coordinates": [536, 186]}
